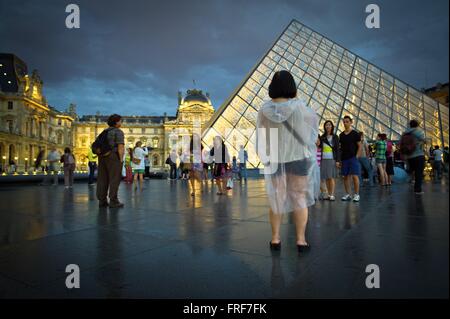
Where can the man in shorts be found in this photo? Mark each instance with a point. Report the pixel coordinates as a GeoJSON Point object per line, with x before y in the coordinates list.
{"type": "Point", "coordinates": [350, 146]}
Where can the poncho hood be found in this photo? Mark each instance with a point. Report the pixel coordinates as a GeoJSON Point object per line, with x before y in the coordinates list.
{"type": "Point", "coordinates": [280, 111]}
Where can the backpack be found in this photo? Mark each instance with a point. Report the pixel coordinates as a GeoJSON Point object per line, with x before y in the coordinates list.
{"type": "Point", "coordinates": [101, 146]}
{"type": "Point", "coordinates": [389, 149]}
{"type": "Point", "coordinates": [134, 159]}
{"type": "Point", "coordinates": [407, 144]}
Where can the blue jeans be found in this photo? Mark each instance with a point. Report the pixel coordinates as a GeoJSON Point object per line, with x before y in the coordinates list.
{"type": "Point", "coordinates": [242, 171]}
{"type": "Point", "coordinates": [364, 162]}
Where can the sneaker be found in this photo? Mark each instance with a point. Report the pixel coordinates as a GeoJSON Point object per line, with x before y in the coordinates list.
{"type": "Point", "coordinates": [356, 198]}
{"type": "Point", "coordinates": [419, 193]}
{"type": "Point", "coordinates": [332, 198]}
{"type": "Point", "coordinates": [346, 197]}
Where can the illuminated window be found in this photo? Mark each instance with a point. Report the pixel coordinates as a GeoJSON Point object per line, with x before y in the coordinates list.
{"type": "Point", "coordinates": [155, 142]}
{"type": "Point", "coordinates": [155, 160]}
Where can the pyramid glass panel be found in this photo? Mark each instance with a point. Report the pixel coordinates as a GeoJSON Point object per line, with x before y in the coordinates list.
{"type": "Point", "coordinates": [334, 82]}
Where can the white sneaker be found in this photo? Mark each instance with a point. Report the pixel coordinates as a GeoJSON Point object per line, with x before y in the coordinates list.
{"type": "Point", "coordinates": [332, 198]}
{"type": "Point", "coordinates": [346, 197]}
{"type": "Point", "coordinates": [356, 198]}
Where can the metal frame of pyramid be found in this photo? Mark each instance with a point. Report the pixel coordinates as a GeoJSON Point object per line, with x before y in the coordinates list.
{"type": "Point", "coordinates": [334, 82]}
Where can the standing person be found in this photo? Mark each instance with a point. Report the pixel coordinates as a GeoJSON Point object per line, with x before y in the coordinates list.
{"type": "Point", "coordinates": [172, 162]}
{"type": "Point", "coordinates": [185, 166]}
{"type": "Point", "coordinates": [147, 167]}
{"type": "Point", "coordinates": [211, 163]}
{"type": "Point", "coordinates": [350, 147]}
{"type": "Point", "coordinates": [206, 164]}
{"type": "Point", "coordinates": [380, 157]}
{"type": "Point", "coordinates": [68, 160]}
{"type": "Point", "coordinates": [446, 159]}
{"type": "Point", "coordinates": [389, 160]}
{"type": "Point", "coordinates": [290, 166]}
{"type": "Point", "coordinates": [243, 158]}
{"type": "Point", "coordinates": [196, 163]}
{"type": "Point", "coordinates": [411, 147]}
{"type": "Point", "coordinates": [12, 166]}
{"type": "Point", "coordinates": [329, 144]}
{"type": "Point", "coordinates": [92, 158]}
{"type": "Point", "coordinates": [437, 163]}
{"type": "Point", "coordinates": [38, 162]}
{"type": "Point", "coordinates": [365, 160]}
{"type": "Point", "coordinates": [235, 169]}
{"type": "Point", "coordinates": [138, 165]}
{"type": "Point", "coordinates": [110, 149]}
{"type": "Point", "coordinates": [323, 185]}
{"type": "Point", "coordinates": [53, 158]}
{"type": "Point", "coordinates": [221, 157]}
{"type": "Point", "coordinates": [128, 168]}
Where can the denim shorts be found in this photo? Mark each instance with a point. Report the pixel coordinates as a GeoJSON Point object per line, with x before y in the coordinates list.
{"type": "Point", "coordinates": [351, 167]}
{"type": "Point", "coordinates": [380, 161]}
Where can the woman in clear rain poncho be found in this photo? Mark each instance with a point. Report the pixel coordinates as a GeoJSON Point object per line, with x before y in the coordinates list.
{"type": "Point", "coordinates": [287, 131]}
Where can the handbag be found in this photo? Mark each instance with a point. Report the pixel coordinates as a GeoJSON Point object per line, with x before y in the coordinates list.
{"type": "Point", "coordinates": [136, 161]}
{"type": "Point", "coordinates": [230, 183]}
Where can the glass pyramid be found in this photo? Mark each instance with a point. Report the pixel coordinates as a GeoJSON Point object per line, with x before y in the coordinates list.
{"type": "Point", "coordinates": [334, 82]}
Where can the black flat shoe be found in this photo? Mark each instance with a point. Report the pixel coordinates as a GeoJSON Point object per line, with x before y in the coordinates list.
{"type": "Point", "coordinates": [276, 246]}
{"type": "Point", "coordinates": [303, 248]}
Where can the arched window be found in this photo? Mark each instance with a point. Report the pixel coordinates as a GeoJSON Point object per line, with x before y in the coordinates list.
{"type": "Point", "coordinates": [60, 137]}
{"type": "Point", "coordinates": [155, 142]}
{"type": "Point", "coordinates": [155, 160]}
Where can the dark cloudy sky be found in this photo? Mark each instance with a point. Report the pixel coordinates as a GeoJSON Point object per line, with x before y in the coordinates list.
{"type": "Point", "coordinates": [132, 56]}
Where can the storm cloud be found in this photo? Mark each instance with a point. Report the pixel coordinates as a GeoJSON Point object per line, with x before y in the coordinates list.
{"type": "Point", "coordinates": [133, 56]}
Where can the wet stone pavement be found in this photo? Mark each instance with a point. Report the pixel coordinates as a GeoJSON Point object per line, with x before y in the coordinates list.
{"type": "Point", "coordinates": [165, 244]}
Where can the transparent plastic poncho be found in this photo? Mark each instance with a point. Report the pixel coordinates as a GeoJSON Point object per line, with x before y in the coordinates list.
{"type": "Point", "coordinates": [286, 144]}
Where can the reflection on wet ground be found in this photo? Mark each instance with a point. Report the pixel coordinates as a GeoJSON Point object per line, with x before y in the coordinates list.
{"type": "Point", "coordinates": [166, 244]}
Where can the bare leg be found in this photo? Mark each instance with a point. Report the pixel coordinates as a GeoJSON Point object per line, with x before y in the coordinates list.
{"type": "Point", "coordinates": [331, 186]}
{"type": "Point", "coordinates": [382, 176]}
{"type": "Point", "coordinates": [219, 185]}
{"type": "Point", "coordinates": [356, 183]}
{"type": "Point", "coordinates": [347, 186]}
{"type": "Point", "coordinates": [275, 222]}
{"type": "Point", "coordinates": [135, 181]}
{"type": "Point", "coordinates": [141, 181]}
{"type": "Point", "coordinates": [301, 219]}
{"type": "Point", "coordinates": [224, 183]}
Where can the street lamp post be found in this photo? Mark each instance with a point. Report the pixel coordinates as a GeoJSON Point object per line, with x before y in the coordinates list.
{"type": "Point", "coordinates": [26, 164]}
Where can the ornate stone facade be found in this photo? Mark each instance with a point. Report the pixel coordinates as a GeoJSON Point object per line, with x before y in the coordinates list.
{"type": "Point", "coordinates": [28, 124]}
{"type": "Point", "coordinates": [159, 133]}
